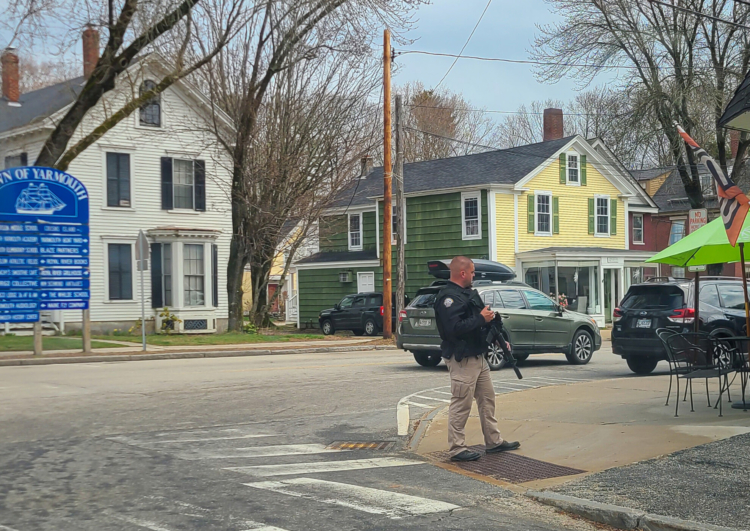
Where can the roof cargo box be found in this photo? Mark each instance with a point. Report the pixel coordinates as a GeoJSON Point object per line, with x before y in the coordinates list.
{"type": "Point", "coordinates": [483, 270]}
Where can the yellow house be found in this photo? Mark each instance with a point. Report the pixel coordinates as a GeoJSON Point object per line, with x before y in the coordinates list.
{"type": "Point", "coordinates": [567, 228]}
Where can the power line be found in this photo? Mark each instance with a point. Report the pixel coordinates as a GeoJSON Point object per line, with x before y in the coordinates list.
{"type": "Point", "coordinates": [465, 44]}
{"type": "Point", "coordinates": [529, 113]}
{"type": "Point", "coordinates": [699, 14]}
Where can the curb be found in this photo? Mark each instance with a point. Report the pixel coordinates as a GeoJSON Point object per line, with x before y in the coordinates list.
{"type": "Point", "coordinates": [185, 355]}
{"type": "Point", "coordinates": [619, 517]}
{"type": "Point", "coordinates": [421, 430]}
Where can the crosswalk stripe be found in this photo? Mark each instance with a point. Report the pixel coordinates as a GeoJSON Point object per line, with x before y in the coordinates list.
{"type": "Point", "coordinates": [374, 501]}
{"type": "Point", "coordinates": [257, 526]}
{"type": "Point", "coordinates": [431, 398]}
{"type": "Point", "coordinates": [137, 442]}
{"type": "Point", "coordinates": [569, 380]}
{"type": "Point", "coordinates": [518, 383]}
{"type": "Point", "coordinates": [257, 451]}
{"type": "Point", "coordinates": [324, 466]}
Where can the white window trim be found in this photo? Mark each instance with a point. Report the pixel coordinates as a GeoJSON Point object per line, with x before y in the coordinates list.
{"type": "Point", "coordinates": [179, 209]}
{"type": "Point", "coordinates": [207, 274]}
{"type": "Point", "coordinates": [136, 286]}
{"type": "Point", "coordinates": [464, 197]}
{"type": "Point", "coordinates": [537, 232]}
{"type": "Point", "coordinates": [642, 242]}
{"type": "Point", "coordinates": [349, 234]}
{"type": "Point", "coordinates": [162, 115]}
{"type": "Point", "coordinates": [567, 168]}
{"type": "Point", "coordinates": [124, 151]}
{"type": "Point", "coordinates": [596, 217]}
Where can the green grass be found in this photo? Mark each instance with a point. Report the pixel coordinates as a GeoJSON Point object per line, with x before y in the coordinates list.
{"type": "Point", "coordinates": [13, 343]}
{"type": "Point", "coordinates": [228, 338]}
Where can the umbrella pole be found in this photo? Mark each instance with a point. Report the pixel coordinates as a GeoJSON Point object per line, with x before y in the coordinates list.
{"type": "Point", "coordinates": [744, 288]}
{"type": "Point", "coordinates": [696, 301]}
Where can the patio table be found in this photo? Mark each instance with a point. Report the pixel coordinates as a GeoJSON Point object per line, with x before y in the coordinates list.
{"type": "Point", "coordinates": [741, 364]}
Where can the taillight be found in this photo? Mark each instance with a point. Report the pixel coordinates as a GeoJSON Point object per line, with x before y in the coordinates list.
{"type": "Point", "coordinates": [682, 315]}
{"type": "Point", "coordinates": [382, 310]}
{"type": "Point", "coordinates": [401, 315]}
{"type": "Point", "coordinates": [617, 313]}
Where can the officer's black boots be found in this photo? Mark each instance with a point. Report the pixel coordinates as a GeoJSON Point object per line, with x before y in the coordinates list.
{"type": "Point", "coordinates": [503, 447]}
{"type": "Point", "coordinates": [466, 455]}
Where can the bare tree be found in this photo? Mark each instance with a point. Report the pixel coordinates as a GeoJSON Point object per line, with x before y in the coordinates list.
{"type": "Point", "coordinates": [278, 36]}
{"type": "Point", "coordinates": [669, 57]}
{"type": "Point", "coordinates": [434, 118]}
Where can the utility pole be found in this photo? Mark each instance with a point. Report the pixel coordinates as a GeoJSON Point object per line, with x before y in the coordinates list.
{"type": "Point", "coordinates": [387, 173]}
{"type": "Point", "coordinates": [400, 210]}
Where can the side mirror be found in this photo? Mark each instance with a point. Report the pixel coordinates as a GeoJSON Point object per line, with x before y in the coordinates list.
{"type": "Point", "coordinates": [336, 306]}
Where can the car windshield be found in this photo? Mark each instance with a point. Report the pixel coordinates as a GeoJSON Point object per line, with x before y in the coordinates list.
{"type": "Point", "coordinates": [656, 297]}
{"type": "Point", "coordinates": [423, 300]}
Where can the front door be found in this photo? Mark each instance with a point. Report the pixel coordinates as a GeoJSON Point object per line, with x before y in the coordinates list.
{"type": "Point", "coordinates": [552, 329]}
{"type": "Point", "coordinates": [365, 282]}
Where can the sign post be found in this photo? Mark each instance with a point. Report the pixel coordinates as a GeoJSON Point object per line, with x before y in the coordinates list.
{"type": "Point", "coordinates": [142, 250]}
{"type": "Point", "coordinates": [697, 217]}
{"type": "Point", "coordinates": [44, 245]}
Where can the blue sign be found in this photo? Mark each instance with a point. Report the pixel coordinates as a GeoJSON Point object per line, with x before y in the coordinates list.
{"type": "Point", "coordinates": [44, 243]}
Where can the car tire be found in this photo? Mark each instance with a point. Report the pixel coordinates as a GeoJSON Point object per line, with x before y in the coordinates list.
{"type": "Point", "coordinates": [427, 358]}
{"type": "Point", "coordinates": [581, 348]}
{"type": "Point", "coordinates": [327, 327]}
{"type": "Point", "coordinates": [495, 359]}
{"type": "Point", "coordinates": [371, 328]}
{"type": "Point", "coordinates": [358, 332]}
{"type": "Point", "coordinates": [642, 365]}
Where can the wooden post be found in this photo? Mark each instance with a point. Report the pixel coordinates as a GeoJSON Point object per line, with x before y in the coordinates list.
{"type": "Point", "coordinates": [38, 349]}
{"type": "Point", "coordinates": [387, 173]}
{"type": "Point", "coordinates": [696, 302]}
{"type": "Point", "coordinates": [400, 208]}
{"type": "Point", "coordinates": [86, 330]}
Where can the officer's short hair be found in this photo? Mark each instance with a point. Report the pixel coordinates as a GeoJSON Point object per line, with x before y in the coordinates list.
{"type": "Point", "coordinates": [460, 263]}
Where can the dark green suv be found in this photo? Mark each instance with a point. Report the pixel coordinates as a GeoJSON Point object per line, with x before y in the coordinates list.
{"type": "Point", "coordinates": [533, 322]}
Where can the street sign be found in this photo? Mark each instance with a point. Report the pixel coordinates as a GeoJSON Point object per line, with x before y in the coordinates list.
{"type": "Point", "coordinates": [694, 269]}
{"type": "Point", "coordinates": [44, 243]}
{"type": "Point", "coordinates": [142, 251]}
{"type": "Point", "coordinates": [697, 217]}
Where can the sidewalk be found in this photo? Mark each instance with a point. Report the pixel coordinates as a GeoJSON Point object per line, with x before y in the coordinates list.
{"type": "Point", "coordinates": [133, 351]}
{"type": "Point", "coordinates": [626, 447]}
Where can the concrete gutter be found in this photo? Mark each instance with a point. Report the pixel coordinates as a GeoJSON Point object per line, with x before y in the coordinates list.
{"type": "Point", "coordinates": [619, 517]}
{"type": "Point", "coordinates": [186, 355]}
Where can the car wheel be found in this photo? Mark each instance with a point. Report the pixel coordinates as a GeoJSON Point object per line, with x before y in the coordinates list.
{"type": "Point", "coordinates": [427, 358]}
{"type": "Point", "coordinates": [641, 365]}
{"type": "Point", "coordinates": [495, 358]}
{"type": "Point", "coordinates": [371, 329]}
{"type": "Point", "coordinates": [327, 327]}
{"type": "Point", "coordinates": [358, 332]}
{"type": "Point", "coordinates": [581, 349]}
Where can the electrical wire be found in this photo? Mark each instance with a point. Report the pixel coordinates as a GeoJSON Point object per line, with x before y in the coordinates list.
{"type": "Point", "coordinates": [529, 113]}
{"type": "Point", "coordinates": [465, 44]}
{"type": "Point", "coordinates": [699, 14]}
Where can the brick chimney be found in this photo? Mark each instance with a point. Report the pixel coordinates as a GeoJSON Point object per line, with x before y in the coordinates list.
{"type": "Point", "coordinates": [90, 49]}
{"type": "Point", "coordinates": [553, 124]}
{"type": "Point", "coordinates": [9, 63]}
{"type": "Point", "coordinates": [366, 167]}
{"type": "Point", "coordinates": [734, 142]}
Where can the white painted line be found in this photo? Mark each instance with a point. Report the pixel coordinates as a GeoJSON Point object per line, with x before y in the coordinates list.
{"type": "Point", "coordinates": [374, 501]}
{"type": "Point", "coordinates": [402, 417]}
{"type": "Point", "coordinates": [418, 404]}
{"type": "Point", "coordinates": [442, 392]}
{"type": "Point", "coordinates": [257, 451]}
{"type": "Point", "coordinates": [258, 526]}
{"type": "Point", "coordinates": [6, 528]}
{"type": "Point", "coordinates": [431, 398]}
{"type": "Point", "coordinates": [518, 383]}
{"type": "Point", "coordinates": [141, 523]}
{"type": "Point", "coordinates": [173, 441]}
{"type": "Point", "coordinates": [323, 466]}
{"type": "Point", "coordinates": [555, 379]}
{"type": "Point", "coordinates": [508, 388]}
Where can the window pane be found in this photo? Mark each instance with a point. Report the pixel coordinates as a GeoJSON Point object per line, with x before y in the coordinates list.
{"type": "Point", "coordinates": [471, 208]}
{"type": "Point", "coordinates": [346, 302]}
{"type": "Point", "coordinates": [638, 228]}
{"type": "Point", "coordinates": [166, 273]}
{"type": "Point", "coordinates": [573, 168]}
{"type": "Point", "coordinates": [543, 213]}
{"type": "Point", "coordinates": [602, 215]}
{"type": "Point", "coordinates": [512, 299]}
{"type": "Point", "coordinates": [13, 161]}
{"type": "Point", "coordinates": [709, 295]}
{"type": "Point", "coordinates": [472, 227]}
{"type": "Point", "coordinates": [579, 287]}
{"type": "Point", "coordinates": [151, 110]}
{"type": "Point", "coordinates": [183, 179]}
{"type": "Point", "coordinates": [355, 231]}
{"type": "Point", "coordinates": [488, 297]}
{"type": "Point", "coordinates": [732, 297]}
{"type": "Point", "coordinates": [120, 272]}
{"type": "Point", "coordinates": [676, 232]}
{"type": "Point", "coordinates": [538, 301]}
{"type": "Point", "coordinates": [193, 270]}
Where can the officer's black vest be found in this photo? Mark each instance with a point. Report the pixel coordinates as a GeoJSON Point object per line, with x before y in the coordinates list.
{"type": "Point", "coordinates": [462, 345]}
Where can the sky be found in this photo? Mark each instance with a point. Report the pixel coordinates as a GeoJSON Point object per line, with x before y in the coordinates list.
{"type": "Point", "coordinates": [507, 30]}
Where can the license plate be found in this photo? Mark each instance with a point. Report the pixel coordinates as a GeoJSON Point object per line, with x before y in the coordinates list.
{"type": "Point", "coordinates": [643, 323]}
{"type": "Point", "coordinates": [425, 322]}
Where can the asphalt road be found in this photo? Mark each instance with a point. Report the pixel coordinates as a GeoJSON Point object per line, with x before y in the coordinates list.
{"type": "Point", "coordinates": [241, 444]}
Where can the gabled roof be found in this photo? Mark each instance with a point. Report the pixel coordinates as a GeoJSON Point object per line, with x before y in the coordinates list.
{"type": "Point", "coordinates": [736, 115]}
{"type": "Point", "coordinates": [504, 166]}
{"type": "Point", "coordinates": [671, 196]}
{"type": "Point", "coordinates": [651, 173]}
{"type": "Point", "coordinates": [39, 104]}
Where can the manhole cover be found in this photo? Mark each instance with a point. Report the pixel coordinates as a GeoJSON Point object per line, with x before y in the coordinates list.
{"type": "Point", "coordinates": [352, 445]}
{"type": "Point", "coordinates": [509, 467]}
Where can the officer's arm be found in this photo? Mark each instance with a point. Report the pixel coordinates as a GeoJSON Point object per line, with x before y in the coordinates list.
{"type": "Point", "coordinates": [454, 324]}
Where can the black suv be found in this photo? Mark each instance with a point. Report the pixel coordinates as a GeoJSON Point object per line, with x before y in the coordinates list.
{"type": "Point", "coordinates": [361, 313]}
{"type": "Point", "coordinates": [666, 302]}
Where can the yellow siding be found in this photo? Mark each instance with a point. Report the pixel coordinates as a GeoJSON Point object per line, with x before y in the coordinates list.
{"type": "Point", "coordinates": [506, 230]}
{"type": "Point", "coordinates": [573, 212]}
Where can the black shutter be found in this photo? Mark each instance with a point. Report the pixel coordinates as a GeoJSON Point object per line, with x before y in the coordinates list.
{"type": "Point", "coordinates": [200, 185]}
{"type": "Point", "coordinates": [24, 159]}
{"type": "Point", "coordinates": [166, 183]}
{"type": "Point", "coordinates": [113, 193]}
{"type": "Point", "coordinates": [215, 274]}
{"type": "Point", "coordinates": [157, 301]}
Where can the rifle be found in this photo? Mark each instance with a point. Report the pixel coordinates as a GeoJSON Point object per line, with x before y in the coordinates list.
{"type": "Point", "coordinates": [495, 338]}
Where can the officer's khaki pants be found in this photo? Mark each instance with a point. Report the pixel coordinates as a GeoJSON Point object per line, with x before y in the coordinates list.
{"type": "Point", "coordinates": [470, 379]}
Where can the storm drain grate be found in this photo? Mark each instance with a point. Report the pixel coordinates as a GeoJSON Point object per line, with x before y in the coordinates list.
{"type": "Point", "coordinates": [509, 467]}
{"type": "Point", "coordinates": [350, 445]}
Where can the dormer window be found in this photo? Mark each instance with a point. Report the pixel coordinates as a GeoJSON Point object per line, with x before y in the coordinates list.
{"type": "Point", "coordinates": [151, 110]}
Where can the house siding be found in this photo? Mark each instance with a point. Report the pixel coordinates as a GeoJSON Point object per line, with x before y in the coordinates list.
{"type": "Point", "coordinates": [334, 233]}
{"type": "Point", "coordinates": [505, 229]}
{"type": "Point", "coordinates": [320, 289]}
{"type": "Point", "coordinates": [573, 211]}
{"type": "Point", "coordinates": [182, 136]}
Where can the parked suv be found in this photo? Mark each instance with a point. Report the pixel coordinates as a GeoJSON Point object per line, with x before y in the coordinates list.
{"type": "Point", "coordinates": [533, 322]}
{"type": "Point", "coordinates": [666, 302]}
{"type": "Point", "coordinates": [362, 313]}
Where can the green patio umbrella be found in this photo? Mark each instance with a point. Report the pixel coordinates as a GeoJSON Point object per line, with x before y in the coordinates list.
{"type": "Point", "coordinates": [708, 245]}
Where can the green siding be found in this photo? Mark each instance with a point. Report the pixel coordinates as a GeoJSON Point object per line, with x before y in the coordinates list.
{"type": "Point", "coordinates": [433, 232]}
{"type": "Point", "coordinates": [334, 233]}
{"type": "Point", "coordinates": [320, 289]}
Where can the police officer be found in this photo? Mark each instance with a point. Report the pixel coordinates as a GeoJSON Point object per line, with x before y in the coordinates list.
{"type": "Point", "coordinates": [461, 315]}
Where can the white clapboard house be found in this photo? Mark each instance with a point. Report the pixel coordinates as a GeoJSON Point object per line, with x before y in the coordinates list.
{"type": "Point", "coordinates": [160, 171]}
